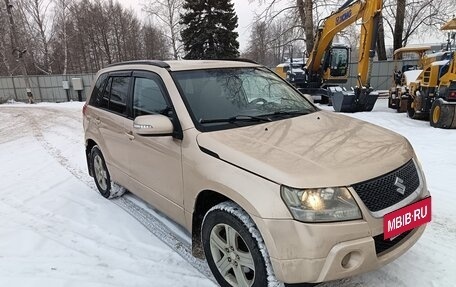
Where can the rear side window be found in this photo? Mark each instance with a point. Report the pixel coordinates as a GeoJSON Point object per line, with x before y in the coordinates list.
{"type": "Point", "coordinates": [119, 94]}
{"type": "Point", "coordinates": [104, 99]}
{"type": "Point", "coordinates": [97, 93]}
{"type": "Point", "coordinates": [148, 97]}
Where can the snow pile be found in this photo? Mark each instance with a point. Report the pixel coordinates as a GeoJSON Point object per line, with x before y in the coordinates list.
{"type": "Point", "coordinates": [56, 230]}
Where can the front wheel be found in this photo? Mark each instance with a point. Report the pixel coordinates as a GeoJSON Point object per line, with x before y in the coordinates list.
{"type": "Point", "coordinates": [105, 186]}
{"type": "Point", "coordinates": [442, 115]}
{"type": "Point", "coordinates": [233, 247]}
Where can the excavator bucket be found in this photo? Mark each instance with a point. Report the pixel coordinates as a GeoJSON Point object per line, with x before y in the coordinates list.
{"type": "Point", "coordinates": [361, 100]}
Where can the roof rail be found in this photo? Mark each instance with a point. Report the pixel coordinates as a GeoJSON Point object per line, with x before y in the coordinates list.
{"type": "Point", "coordinates": [238, 60]}
{"type": "Point", "coordinates": [157, 63]}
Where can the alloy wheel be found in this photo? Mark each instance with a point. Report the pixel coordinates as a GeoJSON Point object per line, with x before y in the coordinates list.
{"type": "Point", "coordinates": [101, 174]}
{"type": "Point", "coordinates": [232, 256]}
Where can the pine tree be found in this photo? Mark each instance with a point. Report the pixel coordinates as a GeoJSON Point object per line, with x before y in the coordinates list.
{"type": "Point", "coordinates": [209, 29]}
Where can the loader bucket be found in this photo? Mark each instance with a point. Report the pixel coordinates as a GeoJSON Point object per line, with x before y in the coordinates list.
{"type": "Point", "coordinates": [362, 100]}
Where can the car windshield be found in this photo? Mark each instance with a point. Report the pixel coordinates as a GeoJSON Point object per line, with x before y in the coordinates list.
{"type": "Point", "coordinates": [227, 98]}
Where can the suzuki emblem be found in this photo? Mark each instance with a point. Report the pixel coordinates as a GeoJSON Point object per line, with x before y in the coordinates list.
{"type": "Point", "coordinates": [400, 187]}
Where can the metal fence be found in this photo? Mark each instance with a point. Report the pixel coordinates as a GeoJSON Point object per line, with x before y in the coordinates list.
{"type": "Point", "coordinates": [382, 74]}
{"type": "Point", "coordinates": [48, 88]}
{"type": "Point", "coordinates": [45, 88]}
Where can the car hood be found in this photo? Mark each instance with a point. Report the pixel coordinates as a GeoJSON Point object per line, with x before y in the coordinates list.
{"type": "Point", "coordinates": [316, 150]}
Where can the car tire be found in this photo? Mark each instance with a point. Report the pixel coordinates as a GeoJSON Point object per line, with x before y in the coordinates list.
{"type": "Point", "coordinates": [234, 248]}
{"type": "Point", "coordinates": [105, 186]}
{"type": "Point", "coordinates": [410, 110]}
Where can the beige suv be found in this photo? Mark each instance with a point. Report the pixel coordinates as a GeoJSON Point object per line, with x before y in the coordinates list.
{"type": "Point", "coordinates": [269, 186]}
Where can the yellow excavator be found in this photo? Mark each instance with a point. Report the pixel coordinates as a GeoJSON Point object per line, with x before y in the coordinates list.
{"type": "Point", "coordinates": [433, 94]}
{"type": "Point", "coordinates": [327, 65]}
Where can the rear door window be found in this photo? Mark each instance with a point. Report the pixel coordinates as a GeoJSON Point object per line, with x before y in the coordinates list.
{"type": "Point", "coordinates": [98, 89]}
{"type": "Point", "coordinates": [119, 94]}
{"type": "Point", "coordinates": [104, 99]}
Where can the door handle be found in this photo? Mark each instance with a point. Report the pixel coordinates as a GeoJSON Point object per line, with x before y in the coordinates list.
{"type": "Point", "coordinates": [97, 121]}
{"type": "Point", "coordinates": [130, 135]}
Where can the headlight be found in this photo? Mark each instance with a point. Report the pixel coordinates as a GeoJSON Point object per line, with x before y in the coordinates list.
{"type": "Point", "coordinates": [321, 204]}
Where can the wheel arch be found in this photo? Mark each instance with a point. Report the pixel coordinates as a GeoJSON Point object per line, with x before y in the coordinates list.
{"type": "Point", "coordinates": [205, 200]}
{"type": "Point", "coordinates": [90, 143]}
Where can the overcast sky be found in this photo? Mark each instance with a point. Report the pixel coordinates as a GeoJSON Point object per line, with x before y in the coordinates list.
{"type": "Point", "coordinates": [244, 10]}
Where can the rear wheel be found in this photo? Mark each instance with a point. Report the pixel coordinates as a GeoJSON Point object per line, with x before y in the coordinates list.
{"type": "Point", "coordinates": [412, 113]}
{"type": "Point", "coordinates": [410, 109]}
{"type": "Point", "coordinates": [232, 247]}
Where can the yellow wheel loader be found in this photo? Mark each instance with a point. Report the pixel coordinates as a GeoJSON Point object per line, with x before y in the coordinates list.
{"type": "Point", "coordinates": [433, 95]}
{"type": "Point", "coordinates": [443, 108]}
{"type": "Point", "coordinates": [408, 66]}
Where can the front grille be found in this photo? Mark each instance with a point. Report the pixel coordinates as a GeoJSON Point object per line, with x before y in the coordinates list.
{"type": "Point", "coordinates": [382, 245]}
{"type": "Point", "coordinates": [381, 192]}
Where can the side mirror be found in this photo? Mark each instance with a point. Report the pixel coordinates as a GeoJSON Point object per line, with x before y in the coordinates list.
{"type": "Point", "coordinates": [153, 125]}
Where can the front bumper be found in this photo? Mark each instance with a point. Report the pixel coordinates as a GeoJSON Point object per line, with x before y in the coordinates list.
{"type": "Point", "coordinates": [313, 253]}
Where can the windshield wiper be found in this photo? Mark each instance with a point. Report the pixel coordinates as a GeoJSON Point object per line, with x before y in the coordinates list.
{"type": "Point", "coordinates": [286, 113]}
{"type": "Point", "coordinates": [238, 118]}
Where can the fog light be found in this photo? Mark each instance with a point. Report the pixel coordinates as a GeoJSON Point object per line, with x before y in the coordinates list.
{"type": "Point", "coordinates": [351, 260]}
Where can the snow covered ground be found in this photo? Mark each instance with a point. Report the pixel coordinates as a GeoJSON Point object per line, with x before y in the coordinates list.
{"type": "Point", "coordinates": [55, 230]}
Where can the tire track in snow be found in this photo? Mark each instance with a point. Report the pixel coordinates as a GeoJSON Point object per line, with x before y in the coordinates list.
{"type": "Point", "coordinates": [147, 219]}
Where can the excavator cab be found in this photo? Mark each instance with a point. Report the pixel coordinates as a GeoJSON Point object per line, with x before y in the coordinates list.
{"type": "Point", "coordinates": [336, 64]}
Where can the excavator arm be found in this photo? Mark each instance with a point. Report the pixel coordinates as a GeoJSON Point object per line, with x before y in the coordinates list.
{"type": "Point", "coordinates": [319, 66]}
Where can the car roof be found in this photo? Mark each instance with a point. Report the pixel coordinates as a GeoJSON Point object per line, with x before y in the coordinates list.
{"type": "Point", "coordinates": [183, 65]}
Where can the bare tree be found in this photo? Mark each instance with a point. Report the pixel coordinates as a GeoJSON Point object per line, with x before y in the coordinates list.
{"type": "Point", "coordinates": [35, 13]}
{"type": "Point", "coordinates": [381, 49]}
{"type": "Point", "coordinates": [258, 49]}
{"type": "Point", "coordinates": [305, 8]}
{"type": "Point", "coordinates": [168, 13]}
{"type": "Point", "coordinates": [4, 51]}
{"type": "Point", "coordinates": [17, 49]}
{"type": "Point", "coordinates": [62, 11]}
{"type": "Point", "coordinates": [405, 19]}
{"type": "Point", "coordinates": [63, 36]}
{"type": "Point", "coordinates": [155, 44]}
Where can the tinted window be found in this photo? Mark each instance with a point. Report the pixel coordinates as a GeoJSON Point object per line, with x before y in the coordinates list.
{"type": "Point", "coordinates": [148, 98]}
{"type": "Point", "coordinates": [97, 92]}
{"type": "Point", "coordinates": [104, 99]}
{"type": "Point", "coordinates": [339, 62]}
{"type": "Point", "coordinates": [218, 95]}
{"type": "Point", "coordinates": [119, 94]}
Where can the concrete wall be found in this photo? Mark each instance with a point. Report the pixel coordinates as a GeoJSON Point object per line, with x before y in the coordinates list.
{"type": "Point", "coordinates": [48, 88]}
{"type": "Point", "coordinates": [45, 88]}
{"type": "Point", "coordinates": [382, 74]}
